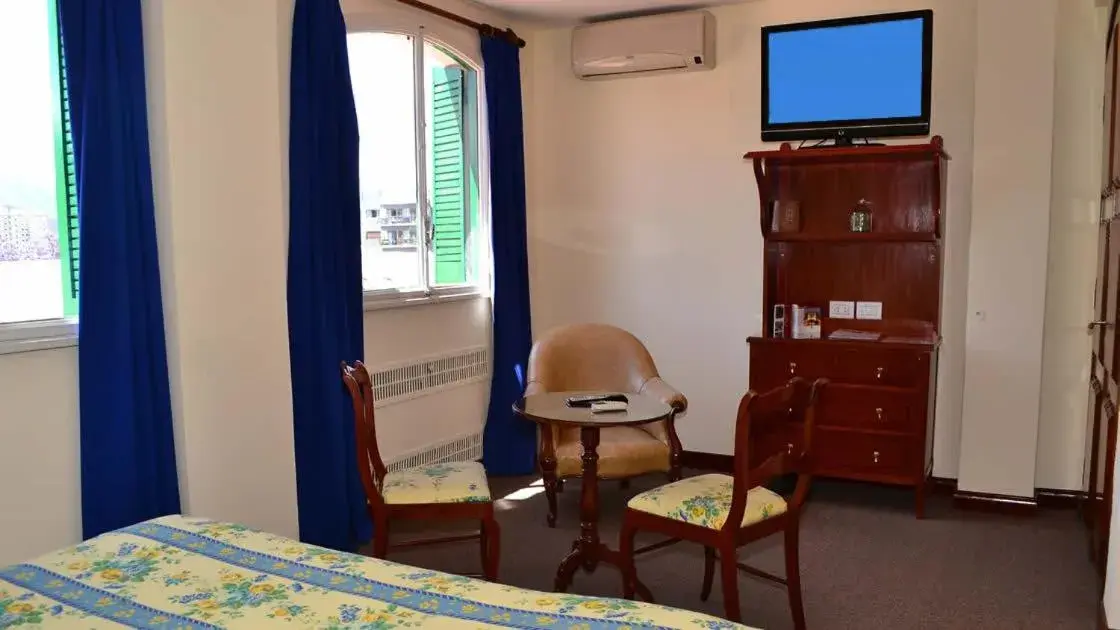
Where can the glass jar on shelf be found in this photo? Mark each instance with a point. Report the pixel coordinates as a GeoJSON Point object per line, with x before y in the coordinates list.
{"type": "Point", "coordinates": [860, 219]}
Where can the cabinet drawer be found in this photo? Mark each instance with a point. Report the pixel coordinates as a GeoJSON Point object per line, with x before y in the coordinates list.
{"type": "Point", "coordinates": [772, 365]}
{"type": "Point", "coordinates": [868, 366]}
{"type": "Point", "coordinates": [788, 439]}
{"type": "Point", "coordinates": [868, 456]}
{"type": "Point", "coordinates": [869, 408]}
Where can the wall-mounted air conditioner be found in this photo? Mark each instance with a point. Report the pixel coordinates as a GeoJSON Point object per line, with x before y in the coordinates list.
{"type": "Point", "coordinates": [671, 42]}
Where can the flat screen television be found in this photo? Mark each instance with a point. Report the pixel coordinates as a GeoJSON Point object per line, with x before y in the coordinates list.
{"type": "Point", "coordinates": [849, 78]}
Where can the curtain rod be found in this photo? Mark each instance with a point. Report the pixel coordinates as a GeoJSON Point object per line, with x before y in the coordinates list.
{"type": "Point", "coordinates": [485, 29]}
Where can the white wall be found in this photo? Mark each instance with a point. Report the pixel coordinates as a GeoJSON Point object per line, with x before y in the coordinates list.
{"type": "Point", "coordinates": [643, 214]}
{"type": "Point", "coordinates": [218, 83]}
{"type": "Point", "coordinates": [218, 99]}
{"type": "Point", "coordinates": [1075, 204]}
{"type": "Point", "coordinates": [40, 501]}
{"type": "Point", "coordinates": [1009, 243]}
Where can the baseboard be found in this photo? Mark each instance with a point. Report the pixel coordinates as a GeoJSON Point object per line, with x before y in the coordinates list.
{"type": "Point", "coordinates": [943, 486]}
{"type": "Point", "coordinates": [1046, 498]}
{"type": "Point", "coordinates": [997, 503]}
{"type": "Point", "coordinates": [1060, 499]}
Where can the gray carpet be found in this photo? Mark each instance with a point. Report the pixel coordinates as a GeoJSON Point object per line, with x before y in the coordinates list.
{"type": "Point", "coordinates": [866, 562]}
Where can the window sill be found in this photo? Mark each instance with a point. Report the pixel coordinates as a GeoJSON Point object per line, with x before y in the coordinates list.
{"type": "Point", "coordinates": [373, 301]}
{"type": "Point", "coordinates": [33, 336]}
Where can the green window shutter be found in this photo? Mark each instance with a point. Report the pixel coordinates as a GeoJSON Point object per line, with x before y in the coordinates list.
{"type": "Point", "coordinates": [66, 177]}
{"type": "Point", "coordinates": [449, 198]}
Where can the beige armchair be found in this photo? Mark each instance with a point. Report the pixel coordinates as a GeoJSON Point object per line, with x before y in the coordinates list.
{"type": "Point", "coordinates": [606, 358]}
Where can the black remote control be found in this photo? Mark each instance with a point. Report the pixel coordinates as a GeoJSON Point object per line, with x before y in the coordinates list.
{"type": "Point", "coordinates": [585, 401]}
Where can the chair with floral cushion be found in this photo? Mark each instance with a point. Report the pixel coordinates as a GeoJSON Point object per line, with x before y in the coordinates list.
{"type": "Point", "coordinates": [451, 491]}
{"type": "Point", "coordinates": [725, 512]}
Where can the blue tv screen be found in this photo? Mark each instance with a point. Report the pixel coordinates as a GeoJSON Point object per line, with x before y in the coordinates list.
{"type": "Point", "coordinates": [856, 77]}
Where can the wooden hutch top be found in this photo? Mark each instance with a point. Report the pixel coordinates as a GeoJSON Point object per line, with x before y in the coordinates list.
{"type": "Point", "coordinates": [816, 257]}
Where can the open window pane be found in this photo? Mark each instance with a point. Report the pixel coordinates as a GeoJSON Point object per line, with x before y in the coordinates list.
{"type": "Point", "coordinates": [452, 165]}
{"type": "Point", "coordinates": [383, 70]}
{"type": "Point", "coordinates": [66, 171]}
{"type": "Point", "coordinates": [31, 270]}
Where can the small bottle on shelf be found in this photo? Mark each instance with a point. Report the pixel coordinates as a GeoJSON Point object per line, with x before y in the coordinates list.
{"type": "Point", "coordinates": [860, 219]}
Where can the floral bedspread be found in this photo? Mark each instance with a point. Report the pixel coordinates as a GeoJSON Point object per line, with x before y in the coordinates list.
{"type": "Point", "coordinates": [178, 572]}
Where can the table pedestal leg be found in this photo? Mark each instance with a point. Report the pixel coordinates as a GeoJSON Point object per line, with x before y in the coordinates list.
{"type": "Point", "coordinates": [588, 551]}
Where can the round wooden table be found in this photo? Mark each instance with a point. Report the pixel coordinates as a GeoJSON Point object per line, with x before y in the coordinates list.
{"type": "Point", "coordinates": [550, 410]}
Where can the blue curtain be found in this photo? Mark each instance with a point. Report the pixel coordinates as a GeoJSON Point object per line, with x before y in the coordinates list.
{"type": "Point", "coordinates": [509, 443]}
{"type": "Point", "coordinates": [324, 277]}
{"type": "Point", "coordinates": [127, 439]}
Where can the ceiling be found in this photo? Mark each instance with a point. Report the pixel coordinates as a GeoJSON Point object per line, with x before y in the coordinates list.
{"type": "Point", "coordinates": [581, 10]}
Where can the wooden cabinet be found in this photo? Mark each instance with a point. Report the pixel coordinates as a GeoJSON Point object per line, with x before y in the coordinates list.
{"type": "Point", "coordinates": [875, 420]}
{"type": "Point", "coordinates": [1104, 366]}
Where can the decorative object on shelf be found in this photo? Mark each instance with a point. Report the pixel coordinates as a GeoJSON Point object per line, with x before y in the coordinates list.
{"type": "Point", "coordinates": [778, 324]}
{"type": "Point", "coordinates": [795, 321]}
{"type": "Point", "coordinates": [805, 322]}
{"type": "Point", "coordinates": [810, 323]}
{"type": "Point", "coordinates": [786, 216]}
{"type": "Point", "coordinates": [860, 219]}
{"type": "Point", "coordinates": [880, 356]}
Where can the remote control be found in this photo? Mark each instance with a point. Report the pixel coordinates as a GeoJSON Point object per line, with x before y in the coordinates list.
{"type": "Point", "coordinates": [587, 400]}
{"type": "Point", "coordinates": [607, 406]}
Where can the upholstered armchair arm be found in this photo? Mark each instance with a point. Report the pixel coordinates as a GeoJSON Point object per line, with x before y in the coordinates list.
{"type": "Point", "coordinates": [656, 387]}
{"type": "Point", "coordinates": [535, 387]}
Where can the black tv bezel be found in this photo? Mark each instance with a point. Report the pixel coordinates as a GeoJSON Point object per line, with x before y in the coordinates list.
{"type": "Point", "coordinates": [858, 128]}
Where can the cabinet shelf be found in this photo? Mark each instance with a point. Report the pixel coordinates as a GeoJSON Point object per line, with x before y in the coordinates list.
{"type": "Point", "coordinates": [883, 342]}
{"type": "Point", "coordinates": [854, 237]}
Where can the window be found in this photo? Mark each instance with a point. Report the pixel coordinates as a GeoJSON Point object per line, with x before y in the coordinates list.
{"type": "Point", "coordinates": [38, 196]}
{"type": "Point", "coordinates": [418, 118]}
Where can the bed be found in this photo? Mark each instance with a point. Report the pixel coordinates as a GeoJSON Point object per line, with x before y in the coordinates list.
{"type": "Point", "coordinates": [179, 572]}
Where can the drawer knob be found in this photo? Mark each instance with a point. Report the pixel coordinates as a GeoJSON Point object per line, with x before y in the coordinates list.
{"type": "Point", "coordinates": [792, 367]}
{"type": "Point", "coordinates": [879, 373]}
{"type": "Point", "coordinates": [879, 414]}
{"type": "Point", "coordinates": [875, 456]}
{"type": "Point", "coordinates": [789, 448]}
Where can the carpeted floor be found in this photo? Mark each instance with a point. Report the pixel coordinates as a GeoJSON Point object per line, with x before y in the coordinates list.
{"type": "Point", "coordinates": [866, 562]}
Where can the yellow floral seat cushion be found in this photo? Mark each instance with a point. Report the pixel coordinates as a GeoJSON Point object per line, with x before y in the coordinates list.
{"type": "Point", "coordinates": [454, 482]}
{"type": "Point", "coordinates": [705, 500]}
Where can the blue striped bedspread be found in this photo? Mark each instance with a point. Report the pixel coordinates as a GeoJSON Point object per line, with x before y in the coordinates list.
{"type": "Point", "coordinates": [176, 572]}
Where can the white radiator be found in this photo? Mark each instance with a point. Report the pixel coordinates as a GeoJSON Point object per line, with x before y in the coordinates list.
{"type": "Point", "coordinates": [462, 449]}
{"type": "Point", "coordinates": [400, 382]}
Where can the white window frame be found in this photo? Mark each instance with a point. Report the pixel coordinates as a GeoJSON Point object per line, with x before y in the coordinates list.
{"type": "Point", "coordinates": [42, 334]}
{"type": "Point", "coordinates": [39, 334]}
{"type": "Point", "coordinates": [363, 16]}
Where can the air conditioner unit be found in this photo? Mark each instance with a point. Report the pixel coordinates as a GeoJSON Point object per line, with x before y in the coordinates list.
{"type": "Point", "coordinates": [671, 42]}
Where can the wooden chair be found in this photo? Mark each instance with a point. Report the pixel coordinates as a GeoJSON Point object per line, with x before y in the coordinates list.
{"type": "Point", "coordinates": [451, 491]}
{"type": "Point", "coordinates": [725, 512]}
